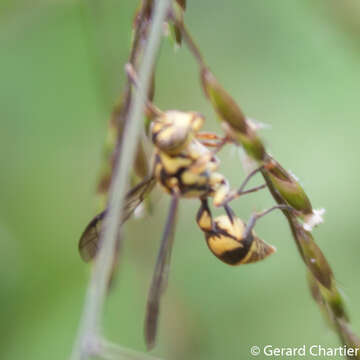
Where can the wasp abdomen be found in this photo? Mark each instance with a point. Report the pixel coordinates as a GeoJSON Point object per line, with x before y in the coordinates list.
{"type": "Point", "coordinates": [226, 241]}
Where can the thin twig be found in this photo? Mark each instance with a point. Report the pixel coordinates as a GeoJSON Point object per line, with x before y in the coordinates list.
{"type": "Point", "coordinates": [96, 294]}
{"type": "Point", "coordinates": [194, 49]}
{"type": "Point", "coordinates": [110, 351]}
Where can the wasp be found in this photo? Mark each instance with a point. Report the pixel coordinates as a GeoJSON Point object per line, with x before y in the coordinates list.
{"type": "Point", "coordinates": [185, 165]}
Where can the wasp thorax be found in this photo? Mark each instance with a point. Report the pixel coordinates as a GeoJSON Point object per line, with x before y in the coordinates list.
{"type": "Point", "coordinates": [227, 242]}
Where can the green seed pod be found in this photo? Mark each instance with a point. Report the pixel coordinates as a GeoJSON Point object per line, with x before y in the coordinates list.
{"type": "Point", "coordinates": [314, 258]}
{"type": "Point", "coordinates": [175, 29]}
{"type": "Point", "coordinates": [175, 35]}
{"type": "Point", "coordinates": [329, 300]}
{"type": "Point", "coordinates": [288, 187]}
{"type": "Point", "coordinates": [234, 121]}
{"type": "Point", "coordinates": [223, 103]}
{"type": "Point", "coordinates": [315, 291]}
{"type": "Point", "coordinates": [349, 338]}
{"type": "Point", "coordinates": [251, 142]}
{"type": "Point", "coordinates": [333, 309]}
{"type": "Point", "coordinates": [335, 302]}
{"type": "Point", "coordinates": [253, 146]}
{"type": "Point", "coordinates": [182, 3]}
{"type": "Point", "coordinates": [314, 287]}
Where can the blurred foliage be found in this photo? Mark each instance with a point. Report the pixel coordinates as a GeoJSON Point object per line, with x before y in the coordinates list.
{"type": "Point", "coordinates": [294, 65]}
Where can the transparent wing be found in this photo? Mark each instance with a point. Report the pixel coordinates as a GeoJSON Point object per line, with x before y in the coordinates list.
{"type": "Point", "coordinates": [89, 241]}
{"type": "Point", "coordinates": [160, 276]}
{"type": "Point", "coordinates": [136, 196]}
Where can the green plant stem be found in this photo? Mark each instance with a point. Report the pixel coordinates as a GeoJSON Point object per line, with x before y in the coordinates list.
{"type": "Point", "coordinates": [96, 294]}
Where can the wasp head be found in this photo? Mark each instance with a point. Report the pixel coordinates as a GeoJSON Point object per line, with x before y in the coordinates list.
{"type": "Point", "coordinates": [173, 130]}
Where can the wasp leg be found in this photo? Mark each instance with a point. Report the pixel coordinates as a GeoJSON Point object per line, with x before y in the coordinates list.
{"type": "Point", "coordinates": [206, 135]}
{"type": "Point", "coordinates": [230, 213]}
{"type": "Point", "coordinates": [221, 189]}
{"type": "Point", "coordinates": [160, 276]}
{"type": "Point", "coordinates": [211, 139]}
{"type": "Point", "coordinates": [237, 193]}
{"type": "Point", "coordinates": [248, 178]}
{"type": "Point", "coordinates": [204, 217]}
{"type": "Point", "coordinates": [254, 189]}
{"type": "Point", "coordinates": [255, 217]}
{"type": "Point", "coordinates": [211, 144]}
{"type": "Point", "coordinates": [201, 163]}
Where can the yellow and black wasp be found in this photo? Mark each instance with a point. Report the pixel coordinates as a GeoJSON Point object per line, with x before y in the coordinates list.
{"type": "Point", "coordinates": [185, 165]}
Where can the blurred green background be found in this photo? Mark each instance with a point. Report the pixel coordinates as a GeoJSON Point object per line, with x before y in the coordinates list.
{"type": "Point", "coordinates": [291, 64]}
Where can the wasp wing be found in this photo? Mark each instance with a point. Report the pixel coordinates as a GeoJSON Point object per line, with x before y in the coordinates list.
{"type": "Point", "coordinates": [160, 276]}
{"type": "Point", "coordinates": [136, 196]}
{"type": "Point", "coordinates": [89, 241]}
